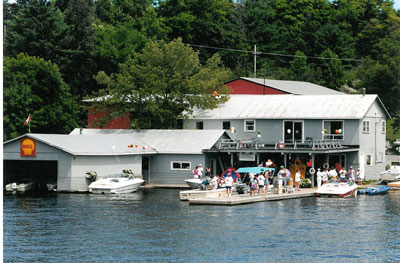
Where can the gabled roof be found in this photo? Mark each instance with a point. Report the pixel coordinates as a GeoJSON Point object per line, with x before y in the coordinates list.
{"type": "Point", "coordinates": [292, 107]}
{"type": "Point", "coordinates": [293, 87]}
{"type": "Point", "coordinates": [115, 142]}
{"type": "Point", "coordinates": [92, 145]}
{"type": "Point", "coordinates": [165, 141]}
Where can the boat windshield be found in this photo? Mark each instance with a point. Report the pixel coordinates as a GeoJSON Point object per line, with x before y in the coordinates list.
{"type": "Point", "coordinates": [115, 176]}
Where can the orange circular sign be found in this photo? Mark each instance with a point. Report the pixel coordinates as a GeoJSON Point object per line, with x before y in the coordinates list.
{"type": "Point", "coordinates": [28, 147]}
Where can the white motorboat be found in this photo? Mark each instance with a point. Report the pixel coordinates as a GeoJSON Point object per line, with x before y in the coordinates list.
{"type": "Point", "coordinates": [338, 188]}
{"type": "Point", "coordinates": [393, 174]}
{"type": "Point", "coordinates": [20, 186]}
{"type": "Point", "coordinates": [116, 184]}
{"type": "Point", "coordinates": [194, 183]}
{"type": "Point", "coordinates": [197, 193]}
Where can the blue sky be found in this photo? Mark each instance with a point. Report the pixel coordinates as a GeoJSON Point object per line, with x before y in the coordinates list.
{"type": "Point", "coordinates": [397, 4]}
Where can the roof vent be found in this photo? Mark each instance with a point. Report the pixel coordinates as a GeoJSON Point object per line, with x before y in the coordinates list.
{"type": "Point", "coordinates": [363, 91]}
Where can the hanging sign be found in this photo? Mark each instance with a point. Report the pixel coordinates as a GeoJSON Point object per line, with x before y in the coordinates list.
{"type": "Point", "coordinates": [246, 156]}
{"type": "Point", "coordinates": [28, 147]}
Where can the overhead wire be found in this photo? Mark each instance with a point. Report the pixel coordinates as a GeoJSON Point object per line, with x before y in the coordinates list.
{"type": "Point", "coordinates": [274, 54]}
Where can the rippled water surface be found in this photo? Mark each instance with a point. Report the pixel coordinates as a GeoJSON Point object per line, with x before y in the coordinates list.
{"type": "Point", "coordinates": [155, 226]}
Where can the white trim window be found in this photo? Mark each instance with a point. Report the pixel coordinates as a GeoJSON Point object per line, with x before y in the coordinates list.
{"type": "Point", "coordinates": [369, 160]}
{"type": "Point", "coordinates": [181, 165]}
{"type": "Point", "coordinates": [333, 129]}
{"type": "Point", "coordinates": [249, 125]}
{"type": "Point", "coordinates": [365, 127]}
{"type": "Point", "coordinates": [383, 126]}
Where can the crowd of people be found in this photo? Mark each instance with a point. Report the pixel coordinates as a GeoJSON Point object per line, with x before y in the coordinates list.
{"type": "Point", "coordinates": [260, 183]}
{"type": "Point", "coordinates": [331, 174]}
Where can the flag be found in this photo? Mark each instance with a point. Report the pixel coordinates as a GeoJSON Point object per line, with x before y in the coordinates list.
{"type": "Point", "coordinates": [28, 120]}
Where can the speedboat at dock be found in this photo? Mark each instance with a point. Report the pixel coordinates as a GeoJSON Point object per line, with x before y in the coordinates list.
{"type": "Point", "coordinates": [116, 184]}
{"type": "Point", "coordinates": [338, 188]}
{"type": "Point", "coordinates": [194, 183]}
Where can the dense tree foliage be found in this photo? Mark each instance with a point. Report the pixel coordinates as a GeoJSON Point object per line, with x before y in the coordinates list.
{"type": "Point", "coordinates": [328, 42]}
{"type": "Point", "coordinates": [162, 83]}
{"type": "Point", "coordinates": [34, 86]}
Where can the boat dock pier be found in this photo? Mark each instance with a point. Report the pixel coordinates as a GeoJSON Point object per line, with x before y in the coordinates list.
{"type": "Point", "coordinates": [237, 199]}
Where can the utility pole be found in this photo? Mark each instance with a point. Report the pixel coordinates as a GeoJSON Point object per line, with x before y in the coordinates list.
{"type": "Point", "coordinates": [255, 61]}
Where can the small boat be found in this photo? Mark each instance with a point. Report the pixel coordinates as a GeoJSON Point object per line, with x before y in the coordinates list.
{"type": "Point", "coordinates": [375, 190]}
{"type": "Point", "coordinates": [194, 183]}
{"type": "Point", "coordinates": [393, 174]}
{"type": "Point", "coordinates": [394, 185]}
{"type": "Point", "coordinates": [20, 186]}
{"type": "Point", "coordinates": [338, 188]}
{"type": "Point", "coordinates": [51, 187]}
{"type": "Point", "coordinates": [197, 193]}
{"type": "Point", "coordinates": [116, 184]}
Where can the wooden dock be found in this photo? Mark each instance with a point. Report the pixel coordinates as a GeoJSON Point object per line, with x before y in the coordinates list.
{"type": "Point", "coordinates": [237, 199]}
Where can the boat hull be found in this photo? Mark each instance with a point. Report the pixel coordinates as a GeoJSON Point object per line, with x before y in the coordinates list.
{"type": "Point", "coordinates": [107, 188]}
{"type": "Point", "coordinates": [194, 183]}
{"type": "Point", "coordinates": [337, 189]}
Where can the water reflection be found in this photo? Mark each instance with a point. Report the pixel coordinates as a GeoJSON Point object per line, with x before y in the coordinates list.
{"type": "Point", "coordinates": [157, 227]}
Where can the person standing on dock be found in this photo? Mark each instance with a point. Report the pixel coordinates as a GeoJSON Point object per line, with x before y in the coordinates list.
{"type": "Point", "coordinates": [200, 171]}
{"type": "Point", "coordinates": [319, 177]}
{"type": "Point", "coordinates": [352, 174]}
{"type": "Point", "coordinates": [196, 173]}
{"type": "Point", "coordinates": [297, 180]}
{"type": "Point", "coordinates": [229, 184]}
{"type": "Point", "coordinates": [325, 174]}
{"type": "Point", "coordinates": [261, 183]}
{"type": "Point", "coordinates": [208, 172]}
{"type": "Point", "coordinates": [343, 173]}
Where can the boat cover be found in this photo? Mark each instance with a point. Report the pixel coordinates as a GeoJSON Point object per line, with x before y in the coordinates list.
{"type": "Point", "coordinates": [254, 170]}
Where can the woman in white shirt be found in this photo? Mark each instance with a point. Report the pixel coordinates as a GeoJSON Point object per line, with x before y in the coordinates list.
{"type": "Point", "coordinates": [297, 180]}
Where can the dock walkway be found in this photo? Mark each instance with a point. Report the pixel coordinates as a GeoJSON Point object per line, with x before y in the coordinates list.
{"type": "Point", "coordinates": [237, 199]}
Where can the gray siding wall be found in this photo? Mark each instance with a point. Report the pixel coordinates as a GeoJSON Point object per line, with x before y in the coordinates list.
{"type": "Point", "coordinates": [11, 151]}
{"type": "Point", "coordinates": [161, 172]}
{"type": "Point", "coordinates": [272, 130]}
{"type": "Point", "coordinates": [373, 143]}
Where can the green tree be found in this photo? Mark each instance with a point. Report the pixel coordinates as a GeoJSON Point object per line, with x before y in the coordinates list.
{"type": "Point", "coordinates": [330, 74]}
{"type": "Point", "coordinates": [35, 86]}
{"type": "Point", "coordinates": [161, 85]}
{"type": "Point", "coordinates": [79, 65]}
{"type": "Point", "coordinates": [38, 29]}
{"type": "Point", "coordinates": [209, 23]}
{"type": "Point", "coordinates": [382, 76]}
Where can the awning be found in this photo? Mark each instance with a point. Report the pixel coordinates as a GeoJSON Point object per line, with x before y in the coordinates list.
{"type": "Point", "coordinates": [254, 169]}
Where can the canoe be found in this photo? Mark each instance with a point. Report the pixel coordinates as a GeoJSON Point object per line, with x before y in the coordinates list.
{"type": "Point", "coordinates": [375, 190]}
{"type": "Point", "coordinates": [394, 184]}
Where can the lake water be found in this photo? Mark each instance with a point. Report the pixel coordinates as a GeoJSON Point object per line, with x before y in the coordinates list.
{"type": "Point", "coordinates": [155, 226]}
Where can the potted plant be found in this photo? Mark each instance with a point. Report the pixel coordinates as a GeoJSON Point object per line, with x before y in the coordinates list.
{"type": "Point", "coordinates": [91, 176]}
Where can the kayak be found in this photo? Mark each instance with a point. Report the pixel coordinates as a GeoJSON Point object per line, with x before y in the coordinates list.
{"type": "Point", "coordinates": [394, 184]}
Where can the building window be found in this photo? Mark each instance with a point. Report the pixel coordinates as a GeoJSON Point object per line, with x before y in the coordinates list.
{"type": "Point", "coordinates": [249, 125]}
{"type": "Point", "coordinates": [226, 125]}
{"type": "Point", "coordinates": [333, 130]}
{"type": "Point", "coordinates": [383, 126]}
{"type": "Point", "coordinates": [365, 127]}
{"type": "Point", "coordinates": [181, 165]}
{"type": "Point", "coordinates": [199, 125]}
{"type": "Point", "coordinates": [369, 159]}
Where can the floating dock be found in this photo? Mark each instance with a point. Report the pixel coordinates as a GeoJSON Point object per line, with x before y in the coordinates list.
{"type": "Point", "coordinates": [237, 199]}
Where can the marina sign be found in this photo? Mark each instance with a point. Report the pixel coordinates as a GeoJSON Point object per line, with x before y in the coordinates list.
{"type": "Point", "coordinates": [245, 156]}
{"type": "Point", "coordinates": [28, 147]}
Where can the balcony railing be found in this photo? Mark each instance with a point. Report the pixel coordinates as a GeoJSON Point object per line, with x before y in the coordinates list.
{"type": "Point", "coordinates": [252, 143]}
